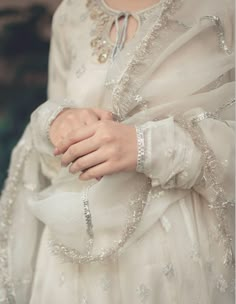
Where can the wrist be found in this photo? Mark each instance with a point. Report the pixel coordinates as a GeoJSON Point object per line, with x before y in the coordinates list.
{"type": "Point", "coordinates": [53, 117]}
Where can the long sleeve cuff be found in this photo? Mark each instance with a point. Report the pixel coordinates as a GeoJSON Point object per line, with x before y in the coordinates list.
{"type": "Point", "coordinates": [168, 154]}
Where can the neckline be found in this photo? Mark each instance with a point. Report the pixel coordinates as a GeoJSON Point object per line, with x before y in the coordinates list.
{"type": "Point", "coordinates": [136, 12]}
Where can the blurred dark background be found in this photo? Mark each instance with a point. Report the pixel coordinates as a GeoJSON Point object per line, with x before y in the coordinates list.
{"type": "Point", "coordinates": [24, 46]}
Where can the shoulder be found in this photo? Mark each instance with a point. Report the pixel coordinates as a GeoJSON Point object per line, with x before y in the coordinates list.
{"type": "Point", "coordinates": [68, 13]}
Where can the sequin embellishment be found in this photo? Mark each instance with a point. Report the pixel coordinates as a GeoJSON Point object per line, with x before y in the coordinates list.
{"type": "Point", "coordinates": [141, 149]}
{"type": "Point", "coordinates": [7, 203]}
{"type": "Point", "coordinates": [126, 89]}
{"type": "Point", "coordinates": [135, 212]}
{"type": "Point", "coordinates": [220, 32]}
{"type": "Point", "coordinates": [101, 47]}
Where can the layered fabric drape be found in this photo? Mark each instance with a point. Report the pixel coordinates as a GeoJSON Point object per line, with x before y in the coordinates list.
{"type": "Point", "coordinates": [164, 235]}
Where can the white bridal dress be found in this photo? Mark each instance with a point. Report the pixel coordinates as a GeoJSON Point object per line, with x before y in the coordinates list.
{"type": "Point", "coordinates": [163, 235]}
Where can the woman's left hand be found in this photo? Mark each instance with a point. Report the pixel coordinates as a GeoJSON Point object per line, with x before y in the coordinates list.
{"type": "Point", "coordinates": [104, 148]}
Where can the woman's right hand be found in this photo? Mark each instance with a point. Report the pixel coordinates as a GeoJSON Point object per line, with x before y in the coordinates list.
{"type": "Point", "coordinates": [72, 119]}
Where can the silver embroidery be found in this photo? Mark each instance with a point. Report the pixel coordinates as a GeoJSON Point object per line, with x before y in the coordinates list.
{"type": "Point", "coordinates": [88, 219]}
{"type": "Point", "coordinates": [80, 71]}
{"type": "Point", "coordinates": [220, 32]}
{"type": "Point", "coordinates": [195, 254]}
{"type": "Point", "coordinates": [135, 212]}
{"type": "Point", "coordinates": [212, 115]}
{"type": "Point", "coordinates": [87, 213]}
{"type": "Point", "coordinates": [83, 17]}
{"type": "Point", "coordinates": [30, 186]}
{"type": "Point", "coordinates": [183, 25]}
{"type": "Point", "coordinates": [211, 172]}
{"type": "Point", "coordinates": [156, 193]}
{"type": "Point", "coordinates": [141, 149]}
{"type": "Point", "coordinates": [123, 95]}
{"type": "Point", "coordinates": [168, 270]}
{"type": "Point", "coordinates": [143, 293]}
{"type": "Point", "coordinates": [105, 284]}
{"type": "Point", "coordinates": [7, 204]}
{"type": "Point", "coordinates": [101, 47]}
{"type": "Point", "coordinates": [203, 116]}
{"type": "Point", "coordinates": [225, 163]}
{"type": "Point", "coordinates": [221, 284]}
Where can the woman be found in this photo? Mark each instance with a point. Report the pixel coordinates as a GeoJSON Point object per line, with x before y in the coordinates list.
{"type": "Point", "coordinates": [140, 109]}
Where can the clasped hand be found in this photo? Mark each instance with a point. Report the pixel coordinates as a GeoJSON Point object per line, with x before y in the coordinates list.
{"type": "Point", "coordinates": [90, 142]}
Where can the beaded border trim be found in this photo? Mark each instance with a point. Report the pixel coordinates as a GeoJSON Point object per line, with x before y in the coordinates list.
{"type": "Point", "coordinates": [141, 149]}
{"type": "Point", "coordinates": [122, 91]}
{"type": "Point", "coordinates": [210, 175]}
{"type": "Point", "coordinates": [88, 220]}
{"type": "Point", "coordinates": [135, 212]}
{"type": "Point", "coordinates": [220, 32]}
{"type": "Point", "coordinates": [213, 115]}
{"type": "Point", "coordinates": [87, 213]}
{"type": "Point", "coordinates": [6, 211]}
{"type": "Point", "coordinates": [203, 116]}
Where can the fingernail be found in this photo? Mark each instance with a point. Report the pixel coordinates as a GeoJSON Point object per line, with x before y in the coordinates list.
{"type": "Point", "coordinates": [56, 151]}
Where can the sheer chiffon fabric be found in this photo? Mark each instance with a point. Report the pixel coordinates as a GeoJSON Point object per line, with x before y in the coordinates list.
{"type": "Point", "coordinates": [160, 79]}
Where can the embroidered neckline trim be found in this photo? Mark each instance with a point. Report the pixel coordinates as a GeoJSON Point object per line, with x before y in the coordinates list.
{"type": "Point", "coordinates": [113, 11]}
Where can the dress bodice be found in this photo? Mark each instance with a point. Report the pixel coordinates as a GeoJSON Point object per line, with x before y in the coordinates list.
{"type": "Point", "coordinates": [84, 56]}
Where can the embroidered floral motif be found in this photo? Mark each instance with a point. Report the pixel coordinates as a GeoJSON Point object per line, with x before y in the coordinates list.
{"type": "Point", "coordinates": [143, 293]}
{"type": "Point", "coordinates": [62, 19]}
{"type": "Point", "coordinates": [195, 254]}
{"type": "Point", "coordinates": [105, 283]}
{"type": "Point", "coordinates": [221, 284]}
{"type": "Point", "coordinates": [100, 45]}
{"type": "Point", "coordinates": [103, 18]}
{"type": "Point", "coordinates": [80, 71]}
{"type": "Point", "coordinates": [168, 270]}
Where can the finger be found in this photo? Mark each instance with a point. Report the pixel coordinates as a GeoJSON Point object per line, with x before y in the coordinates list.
{"type": "Point", "coordinates": [98, 171]}
{"type": "Point", "coordinates": [83, 133]}
{"type": "Point", "coordinates": [78, 150]}
{"type": "Point", "coordinates": [68, 130]}
{"type": "Point", "coordinates": [88, 161]}
{"type": "Point", "coordinates": [92, 118]}
{"type": "Point", "coordinates": [103, 114]}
